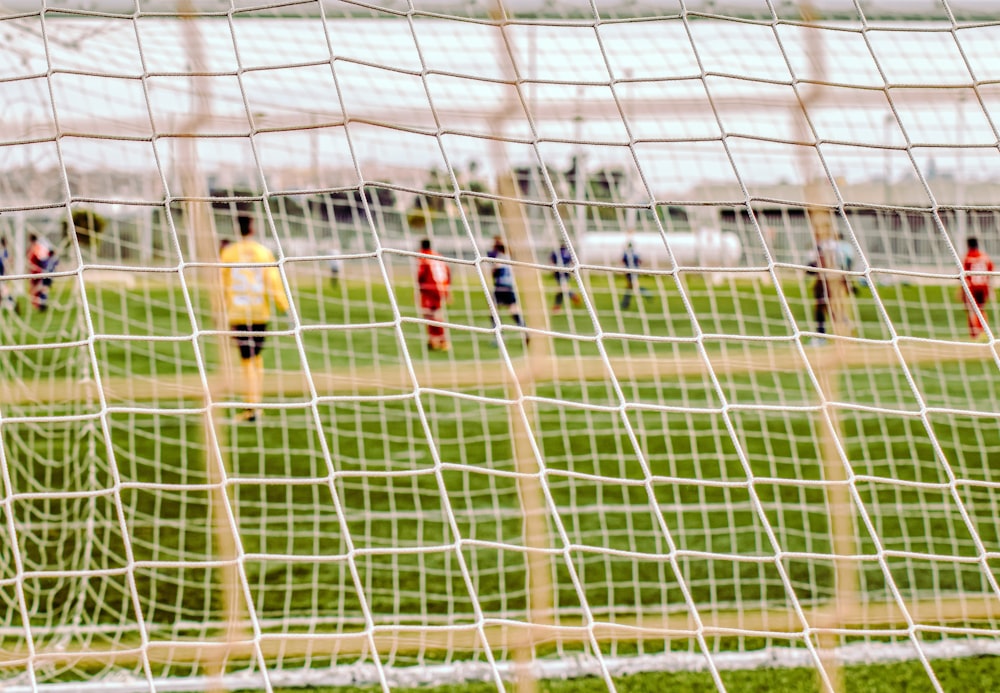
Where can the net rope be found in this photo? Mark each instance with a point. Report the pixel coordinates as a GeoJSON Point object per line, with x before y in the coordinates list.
{"type": "Point", "coordinates": [668, 467]}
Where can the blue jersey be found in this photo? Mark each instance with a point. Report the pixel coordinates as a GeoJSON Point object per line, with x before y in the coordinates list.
{"type": "Point", "coordinates": [561, 258]}
{"type": "Point", "coordinates": [630, 258]}
{"type": "Point", "coordinates": [503, 278]}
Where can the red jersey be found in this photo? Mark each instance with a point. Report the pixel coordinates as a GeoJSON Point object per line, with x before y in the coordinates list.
{"type": "Point", "coordinates": [40, 257]}
{"type": "Point", "coordinates": [433, 276]}
{"type": "Point", "coordinates": [977, 261]}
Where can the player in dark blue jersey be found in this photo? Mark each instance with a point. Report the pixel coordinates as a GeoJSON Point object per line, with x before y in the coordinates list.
{"type": "Point", "coordinates": [562, 258]}
{"type": "Point", "coordinates": [503, 283]}
{"type": "Point", "coordinates": [632, 262]}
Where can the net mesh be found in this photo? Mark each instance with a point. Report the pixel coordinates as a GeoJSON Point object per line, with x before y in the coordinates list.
{"type": "Point", "coordinates": [748, 420]}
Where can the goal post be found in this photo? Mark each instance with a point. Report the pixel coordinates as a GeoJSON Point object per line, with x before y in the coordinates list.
{"type": "Point", "coordinates": [739, 411]}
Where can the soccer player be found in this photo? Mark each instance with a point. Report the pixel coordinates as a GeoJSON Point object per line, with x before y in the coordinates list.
{"type": "Point", "coordinates": [334, 266]}
{"type": "Point", "coordinates": [845, 252]}
{"type": "Point", "coordinates": [434, 281]}
{"type": "Point", "coordinates": [503, 284]}
{"type": "Point", "coordinates": [632, 262]}
{"type": "Point", "coordinates": [845, 259]}
{"type": "Point", "coordinates": [975, 264]}
{"type": "Point", "coordinates": [821, 289]}
{"type": "Point", "coordinates": [7, 300]}
{"type": "Point", "coordinates": [563, 258]}
{"type": "Point", "coordinates": [42, 260]}
{"type": "Point", "coordinates": [248, 294]}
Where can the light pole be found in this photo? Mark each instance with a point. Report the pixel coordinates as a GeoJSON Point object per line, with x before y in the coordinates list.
{"type": "Point", "coordinates": [959, 182]}
{"type": "Point", "coordinates": [581, 169]}
{"type": "Point", "coordinates": [314, 122]}
{"type": "Point", "coordinates": [887, 159]}
{"type": "Point", "coordinates": [887, 224]}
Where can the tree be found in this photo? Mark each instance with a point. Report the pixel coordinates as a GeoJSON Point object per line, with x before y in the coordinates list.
{"type": "Point", "coordinates": [606, 185]}
{"type": "Point", "coordinates": [480, 206]}
{"type": "Point", "coordinates": [88, 226]}
{"type": "Point", "coordinates": [426, 207]}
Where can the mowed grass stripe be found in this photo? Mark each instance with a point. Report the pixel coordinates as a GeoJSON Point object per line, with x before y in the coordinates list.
{"type": "Point", "coordinates": [458, 375]}
{"type": "Point", "coordinates": [369, 438]}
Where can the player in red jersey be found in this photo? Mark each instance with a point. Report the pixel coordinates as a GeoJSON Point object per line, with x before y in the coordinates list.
{"type": "Point", "coordinates": [434, 281]}
{"type": "Point", "coordinates": [42, 260]}
{"type": "Point", "coordinates": [977, 287]}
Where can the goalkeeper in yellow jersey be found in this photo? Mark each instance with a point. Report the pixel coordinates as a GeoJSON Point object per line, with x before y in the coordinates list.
{"type": "Point", "coordinates": [249, 292]}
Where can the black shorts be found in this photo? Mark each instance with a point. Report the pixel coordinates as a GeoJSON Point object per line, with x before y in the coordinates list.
{"type": "Point", "coordinates": [505, 297]}
{"type": "Point", "coordinates": [979, 294]}
{"type": "Point", "coordinates": [253, 343]}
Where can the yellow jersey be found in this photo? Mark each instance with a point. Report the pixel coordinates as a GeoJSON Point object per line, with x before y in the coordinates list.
{"type": "Point", "coordinates": [250, 290]}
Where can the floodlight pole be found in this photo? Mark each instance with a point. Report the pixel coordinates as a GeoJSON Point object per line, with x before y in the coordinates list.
{"type": "Point", "coordinates": [887, 160]}
{"type": "Point", "coordinates": [961, 219]}
{"type": "Point", "coordinates": [581, 169]}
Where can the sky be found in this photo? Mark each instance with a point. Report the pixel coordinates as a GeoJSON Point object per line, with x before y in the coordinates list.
{"type": "Point", "coordinates": [673, 102]}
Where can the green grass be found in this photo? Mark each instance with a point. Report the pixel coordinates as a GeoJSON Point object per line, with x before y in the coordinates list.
{"type": "Point", "coordinates": [588, 452]}
{"type": "Point", "coordinates": [979, 674]}
{"type": "Point", "coordinates": [338, 323]}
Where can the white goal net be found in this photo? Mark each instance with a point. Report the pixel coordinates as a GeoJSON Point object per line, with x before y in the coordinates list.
{"type": "Point", "coordinates": [713, 385]}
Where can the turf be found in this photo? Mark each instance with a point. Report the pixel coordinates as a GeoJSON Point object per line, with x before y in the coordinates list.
{"type": "Point", "coordinates": [981, 673]}
{"type": "Point", "coordinates": [753, 457]}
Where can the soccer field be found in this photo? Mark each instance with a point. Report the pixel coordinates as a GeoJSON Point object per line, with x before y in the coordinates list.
{"type": "Point", "coordinates": [710, 400]}
{"type": "Point", "coordinates": [412, 493]}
